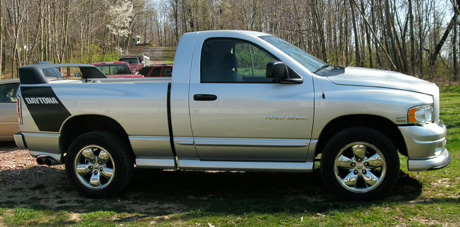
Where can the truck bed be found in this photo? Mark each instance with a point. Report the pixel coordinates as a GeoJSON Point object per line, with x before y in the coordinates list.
{"type": "Point", "coordinates": [140, 105]}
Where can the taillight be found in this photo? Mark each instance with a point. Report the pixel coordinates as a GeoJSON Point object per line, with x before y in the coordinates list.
{"type": "Point", "coordinates": [19, 109]}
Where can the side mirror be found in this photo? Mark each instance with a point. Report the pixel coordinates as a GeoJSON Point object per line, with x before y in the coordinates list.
{"type": "Point", "coordinates": [77, 74]}
{"type": "Point", "coordinates": [277, 70]}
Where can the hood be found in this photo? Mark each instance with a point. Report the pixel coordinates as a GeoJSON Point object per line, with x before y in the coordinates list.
{"type": "Point", "coordinates": [355, 76]}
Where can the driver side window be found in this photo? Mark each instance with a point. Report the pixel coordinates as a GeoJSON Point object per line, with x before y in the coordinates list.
{"type": "Point", "coordinates": [233, 61]}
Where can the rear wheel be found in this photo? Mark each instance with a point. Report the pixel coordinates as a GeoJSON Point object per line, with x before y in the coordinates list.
{"type": "Point", "coordinates": [98, 164]}
{"type": "Point", "coordinates": [360, 163]}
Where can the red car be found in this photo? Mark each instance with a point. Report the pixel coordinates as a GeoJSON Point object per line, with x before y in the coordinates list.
{"type": "Point", "coordinates": [117, 69]}
{"type": "Point", "coordinates": [157, 71]}
{"type": "Point", "coordinates": [135, 62]}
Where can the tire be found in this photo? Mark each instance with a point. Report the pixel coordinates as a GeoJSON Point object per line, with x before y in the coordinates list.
{"type": "Point", "coordinates": [360, 163]}
{"type": "Point", "coordinates": [98, 164]}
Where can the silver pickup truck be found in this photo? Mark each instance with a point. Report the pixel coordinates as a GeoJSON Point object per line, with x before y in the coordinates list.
{"type": "Point", "coordinates": [237, 100]}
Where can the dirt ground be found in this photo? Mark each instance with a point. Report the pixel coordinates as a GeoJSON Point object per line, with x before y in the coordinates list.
{"type": "Point", "coordinates": [158, 194]}
{"type": "Point", "coordinates": [152, 193]}
{"type": "Point", "coordinates": [17, 167]}
{"type": "Point", "coordinates": [24, 183]}
{"type": "Point", "coordinates": [19, 171]}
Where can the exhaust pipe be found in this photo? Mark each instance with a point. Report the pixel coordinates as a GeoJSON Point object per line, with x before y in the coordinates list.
{"type": "Point", "coordinates": [40, 161]}
{"type": "Point", "coordinates": [49, 161]}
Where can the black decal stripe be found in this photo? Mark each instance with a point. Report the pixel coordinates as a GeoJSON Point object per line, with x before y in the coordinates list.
{"type": "Point", "coordinates": [45, 107]}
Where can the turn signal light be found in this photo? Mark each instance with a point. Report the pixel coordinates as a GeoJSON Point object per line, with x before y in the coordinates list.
{"type": "Point", "coordinates": [420, 114]}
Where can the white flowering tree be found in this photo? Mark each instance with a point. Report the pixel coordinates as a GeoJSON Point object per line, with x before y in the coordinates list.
{"type": "Point", "coordinates": [121, 15]}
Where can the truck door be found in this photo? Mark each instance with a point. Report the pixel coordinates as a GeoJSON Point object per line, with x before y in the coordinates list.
{"type": "Point", "coordinates": [238, 114]}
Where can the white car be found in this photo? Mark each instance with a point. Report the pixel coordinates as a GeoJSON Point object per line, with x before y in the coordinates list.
{"type": "Point", "coordinates": [8, 113]}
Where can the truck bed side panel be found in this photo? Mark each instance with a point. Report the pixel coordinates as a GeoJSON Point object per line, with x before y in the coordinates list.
{"type": "Point", "coordinates": [140, 108]}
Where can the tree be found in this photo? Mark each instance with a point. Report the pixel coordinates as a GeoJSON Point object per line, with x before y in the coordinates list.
{"type": "Point", "coordinates": [403, 35]}
{"type": "Point", "coordinates": [412, 39]}
{"type": "Point", "coordinates": [1, 39]}
{"type": "Point", "coordinates": [120, 18]}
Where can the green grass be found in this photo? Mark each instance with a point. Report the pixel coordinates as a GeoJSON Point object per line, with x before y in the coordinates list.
{"type": "Point", "coordinates": [168, 55]}
{"type": "Point", "coordinates": [189, 198]}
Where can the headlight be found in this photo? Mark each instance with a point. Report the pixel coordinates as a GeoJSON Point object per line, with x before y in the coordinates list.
{"type": "Point", "coordinates": [420, 114]}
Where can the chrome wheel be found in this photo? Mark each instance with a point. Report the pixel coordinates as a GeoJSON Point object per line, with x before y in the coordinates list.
{"type": "Point", "coordinates": [94, 167]}
{"type": "Point", "coordinates": [360, 167]}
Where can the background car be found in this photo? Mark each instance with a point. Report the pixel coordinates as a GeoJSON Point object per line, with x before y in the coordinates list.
{"type": "Point", "coordinates": [8, 112]}
{"type": "Point", "coordinates": [157, 71]}
{"type": "Point", "coordinates": [135, 62]}
{"type": "Point", "coordinates": [116, 69]}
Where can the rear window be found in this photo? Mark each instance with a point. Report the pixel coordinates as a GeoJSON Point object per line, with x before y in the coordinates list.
{"type": "Point", "coordinates": [8, 92]}
{"type": "Point", "coordinates": [52, 72]}
{"type": "Point", "coordinates": [114, 69]}
{"type": "Point", "coordinates": [167, 72]}
{"type": "Point", "coordinates": [156, 71]}
{"type": "Point", "coordinates": [144, 71]}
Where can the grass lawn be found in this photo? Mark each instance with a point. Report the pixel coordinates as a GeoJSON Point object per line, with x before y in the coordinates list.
{"type": "Point", "coordinates": [188, 198]}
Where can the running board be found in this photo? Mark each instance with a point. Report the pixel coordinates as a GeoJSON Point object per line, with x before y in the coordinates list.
{"type": "Point", "coordinates": [247, 166]}
{"type": "Point", "coordinates": [155, 163]}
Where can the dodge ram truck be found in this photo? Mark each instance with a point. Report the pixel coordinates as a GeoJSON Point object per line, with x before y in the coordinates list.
{"type": "Point", "coordinates": [237, 100]}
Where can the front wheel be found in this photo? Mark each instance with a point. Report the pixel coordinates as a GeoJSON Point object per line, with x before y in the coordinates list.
{"type": "Point", "coordinates": [360, 163]}
{"type": "Point", "coordinates": [98, 164]}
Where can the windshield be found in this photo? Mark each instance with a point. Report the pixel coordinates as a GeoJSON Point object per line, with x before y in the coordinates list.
{"type": "Point", "coordinates": [308, 61]}
{"type": "Point", "coordinates": [130, 60]}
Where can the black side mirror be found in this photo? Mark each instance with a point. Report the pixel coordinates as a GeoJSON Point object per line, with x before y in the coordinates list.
{"type": "Point", "coordinates": [277, 70]}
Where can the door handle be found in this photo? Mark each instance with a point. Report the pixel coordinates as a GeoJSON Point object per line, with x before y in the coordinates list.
{"type": "Point", "coordinates": [204, 97]}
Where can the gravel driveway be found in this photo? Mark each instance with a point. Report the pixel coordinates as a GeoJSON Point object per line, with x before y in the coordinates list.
{"type": "Point", "coordinates": [20, 172]}
{"type": "Point", "coordinates": [24, 183]}
{"type": "Point", "coordinates": [13, 158]}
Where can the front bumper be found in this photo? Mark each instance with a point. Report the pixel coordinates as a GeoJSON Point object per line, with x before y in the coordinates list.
{"type": "Point", "coordinates": [426, 146]}
{"type": "Point", "coordinates": [437, 162]}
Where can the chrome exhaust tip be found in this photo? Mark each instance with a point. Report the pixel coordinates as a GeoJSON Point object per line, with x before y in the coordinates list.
{"type": "Point", "coordinates": [40, 161]}
{"type": "Point", "coordinates": [49, 161]}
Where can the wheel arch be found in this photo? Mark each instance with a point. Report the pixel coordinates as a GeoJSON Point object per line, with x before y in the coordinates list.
{"type": "Point", "coordinates": [81, 124]}
{"type": "Point", "coordinates": [382, 124]}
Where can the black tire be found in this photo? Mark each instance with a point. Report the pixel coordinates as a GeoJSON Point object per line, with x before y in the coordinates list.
{"type": "Point", "coordinates": [360, 163]}
{"type": "Point", "coordinates": [104, 161]}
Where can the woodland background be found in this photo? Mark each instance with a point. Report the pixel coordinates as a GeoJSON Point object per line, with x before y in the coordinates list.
{"type": "Point", "coordinates": [416, 37]}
